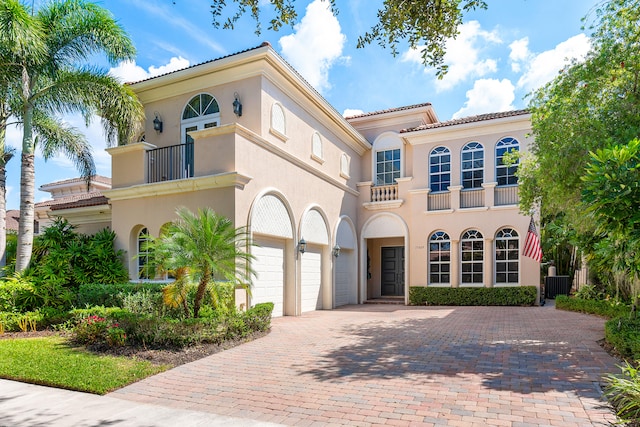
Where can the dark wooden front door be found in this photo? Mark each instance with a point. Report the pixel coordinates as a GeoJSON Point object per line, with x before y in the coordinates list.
{"type": "Point", "coordinates": [393, 271]}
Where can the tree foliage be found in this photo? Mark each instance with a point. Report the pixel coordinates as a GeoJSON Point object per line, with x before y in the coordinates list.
{"type": "Point", "coordinates": [590, 105]}
{"type": "Point", "coordinates": [423, 24]}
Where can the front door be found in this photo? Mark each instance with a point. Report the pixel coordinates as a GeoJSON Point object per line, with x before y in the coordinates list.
{"type": "Point", "coordinates": [393, 271]}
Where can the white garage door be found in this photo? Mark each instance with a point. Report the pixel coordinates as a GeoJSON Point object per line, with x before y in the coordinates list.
{"type": "Point", "coordinates": [268, 285]}
{"type": "Point", "coordinates": [311, 281]}
{"type": "Point", "coordinates": [346, 290]}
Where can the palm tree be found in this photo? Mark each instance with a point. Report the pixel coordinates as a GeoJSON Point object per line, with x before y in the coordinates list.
{"type": "Point", "coordinates": [207, 248]}
{"type": "Point", "coordinates": [50, 81]}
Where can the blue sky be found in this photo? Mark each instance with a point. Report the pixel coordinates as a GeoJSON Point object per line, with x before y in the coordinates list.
{"type": "Point", "coordinates": [500, 55]}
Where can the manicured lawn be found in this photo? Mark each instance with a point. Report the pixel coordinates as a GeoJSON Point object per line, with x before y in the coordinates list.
{"type": "Point", "coordinates": [53, 362]}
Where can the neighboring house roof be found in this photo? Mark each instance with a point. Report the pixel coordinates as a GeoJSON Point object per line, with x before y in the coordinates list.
{"type": "Point", "coordinates": [390, 110]}
{"type": "Point", "coordinates": [470, 119]}
{"type": "Point", "coordinates": [12, 219]}
{"type": "Point", "coordinates": [94, 178]}
{"type": "Point", "coordinates": [93, 198]}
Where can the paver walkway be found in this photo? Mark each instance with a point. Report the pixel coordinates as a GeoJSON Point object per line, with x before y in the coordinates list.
{"type": "Point", "coordinates": [395, 365]}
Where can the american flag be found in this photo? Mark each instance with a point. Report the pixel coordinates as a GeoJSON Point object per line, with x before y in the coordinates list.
{"type": "Point", "coordinates": [532, 247]}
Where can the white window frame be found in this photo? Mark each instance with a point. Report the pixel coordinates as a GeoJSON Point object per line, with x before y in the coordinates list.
{"type": "Point", "coordinates": [385, 142]}
{"type": "Point", "coordinates": [200, 122]}
{"type": "Point", "coordinates": [511, 144]}
{"type": "Point", "coordinates": [471, 237]}
{"type": "Point", "coordinates": [472, 148]}
{"type": "Point", "coordinates": [439, 238]}
{"type": "Point", "coordinates": [507, 234]}
{"type": "Point", "coordinates": [435, 153]}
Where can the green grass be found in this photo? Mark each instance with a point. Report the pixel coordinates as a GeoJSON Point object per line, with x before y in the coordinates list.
{"type": "Point", "coordinates": [52, 361]}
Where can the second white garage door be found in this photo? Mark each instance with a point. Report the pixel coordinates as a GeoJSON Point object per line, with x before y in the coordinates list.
{"type": "Point", "coordinates": [311, 281]}
{"type": "Point", "coordinates": [268, 285]}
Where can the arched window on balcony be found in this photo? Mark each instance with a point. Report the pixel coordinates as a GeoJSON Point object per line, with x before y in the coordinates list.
{"type": "Point", "coordinates": [472, 165]}
{"type": "Point", "coordinates": [439, 169]}
{"type": "Point", "coordinates": [506, 173]}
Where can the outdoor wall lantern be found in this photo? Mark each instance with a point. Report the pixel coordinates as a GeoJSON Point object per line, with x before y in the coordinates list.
{"type": "Point", "coordinates": [302, 246]}
{"type": "Point", "coordinates": [336, 251]}
{"type": "Point", "coordinates": [237, 106]}
{"type": "Point", "coordinates": [157, 123]}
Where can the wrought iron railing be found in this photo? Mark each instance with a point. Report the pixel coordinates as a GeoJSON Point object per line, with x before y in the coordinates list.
{"type": "Point", "coordinates": [170, 163]}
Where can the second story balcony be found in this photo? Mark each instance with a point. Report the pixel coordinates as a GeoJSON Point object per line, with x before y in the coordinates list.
{"type": "Point", "coordinates": [169, 163]}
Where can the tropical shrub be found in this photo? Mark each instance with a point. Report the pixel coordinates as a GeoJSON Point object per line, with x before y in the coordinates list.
{"type": "Point", "coordinates": [605, 308]}
{"type": "Point", "coordinates": [623, 333]}
{"type": "Point", "coordinates": [112, 295]}
{"type": "Point", "coordinates": [513, 295]}
{"type": "Point", "coordinates": [624, 394]}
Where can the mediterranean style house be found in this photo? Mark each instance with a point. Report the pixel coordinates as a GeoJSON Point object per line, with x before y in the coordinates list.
{"type": "Point", "coordinates": [342, 210]}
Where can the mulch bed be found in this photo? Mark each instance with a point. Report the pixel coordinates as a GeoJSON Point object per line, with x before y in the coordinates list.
{"type": "Point", "coordinates": [172, 357]}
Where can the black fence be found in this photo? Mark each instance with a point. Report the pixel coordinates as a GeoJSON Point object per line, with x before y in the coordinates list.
{"type": "Point", "coordinates": [556, 285]}
{"type": "Point", "coordinates": [170, 163]}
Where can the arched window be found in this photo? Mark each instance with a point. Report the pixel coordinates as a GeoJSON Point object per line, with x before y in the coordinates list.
{"type": "Point", "coordinates": [440, 169]}
{"type": "Point", "coordinates": [387, 166]}
{"type": "Point", "coordinates": [472, 257]}
{"type": "Point", "coordinates": [506, 174]}
{"type": "Point", "coordinates": [472, 165]}
{"type": "Point", "coordinates": [201, 112]}
{"type": "Point", "coordinates": [439, 258]}
{"type": "Point", "coordinates": [507, 256]}
{"type": "Point", "coordinates": [143, 254]}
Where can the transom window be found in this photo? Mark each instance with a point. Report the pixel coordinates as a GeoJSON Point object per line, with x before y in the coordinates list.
{"type": "Point", "coordinates": [506, 174]}
{"type": "Point", "coordinates": [439, 258]}
{"type": "Point", "coordinates": [472, 257]}
{"type": "Point", "coordinates": [472, 165]}
{"type": "Point", "coordinates": [440, 169]}
{"type": "Point", "coordinates": [200, 105]}
{"type": "Point", "coordinates": [387, 166]}
{"type": "Point", "coordinates": [507, 256]}
{"type": "Point", "coordinates": [143, 254]}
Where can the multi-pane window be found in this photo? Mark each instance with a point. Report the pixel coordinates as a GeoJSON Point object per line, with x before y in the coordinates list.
{"type": "Point", "coordinates": [472, 257]}
{"type": "Point", "coordinates": [506, 173]}
{"type": "Point", "coordinates": [439, 258]}
{"type": "Point", "coordinates": [472, 165]}
{"type": "Point", "coordinates": [507, 256]}
{"type": "Point", "coordinates": [143, 254]}
{"type": "Point", "coordinates": [200, 105]}
{"type": "Point", "coordinates": [387, 166]}
{"type": "Point", "coordinates": [440, 169]}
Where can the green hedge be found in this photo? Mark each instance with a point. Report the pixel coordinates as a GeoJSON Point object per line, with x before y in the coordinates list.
{"type": "Point", "coordinates": [516, 295]}
{"type": "Point", "coordinates": [591, 306]}
{"type": "Point", "coordinates": [111, 295]}
{"type": "Point", "coordinates": [624, 334]}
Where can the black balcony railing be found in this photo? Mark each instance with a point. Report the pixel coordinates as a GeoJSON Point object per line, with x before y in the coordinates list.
{"type": "Point", "coordinates": [170, 163]}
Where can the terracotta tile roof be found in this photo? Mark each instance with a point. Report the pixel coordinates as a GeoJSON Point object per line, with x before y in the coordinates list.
{"type": "Point", "coordinates": [13, 218]}
{"type": "Point", "coordinates": [96, 200]}
{"type": "Point", "coordinates": [92, 198]}
{"type": "Point", "coordinates": [470, 119]}
{"type": "Point", "coordinates": [94, 178]}
{"type": "Point", "coordinates": [390, 110]}
{"type": "Point", "coordinates": [263, 44]}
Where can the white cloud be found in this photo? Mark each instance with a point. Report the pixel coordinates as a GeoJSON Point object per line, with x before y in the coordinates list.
{"type": "Point", "coordinates": [519, 53]}
{"type": "Point", "coordinates": [463, 55]}
{"type": "Point", "coordinates": [352, 112]}
{"type": "Point", "coordinates": [542, 68]}
{"type": "Point", "coordinates": [315, 45]}
{"type": "Point", "coordinates": [488, 96]}
{"type": "Point", "coordinates": [128, 71]}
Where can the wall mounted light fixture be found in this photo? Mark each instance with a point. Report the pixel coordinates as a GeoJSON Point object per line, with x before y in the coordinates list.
{"type": "Point", "coordinates": [302, 246]}
{"type": "Point", "coordinates": [157, 123]}
{"type": "Point", "coordinates": [237, 105]}
{"type": "Point", "coordinates": [336, 251]}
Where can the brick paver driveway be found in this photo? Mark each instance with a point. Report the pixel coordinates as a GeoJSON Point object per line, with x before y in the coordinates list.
{"type": "Point", "coordinates": [394, 365]}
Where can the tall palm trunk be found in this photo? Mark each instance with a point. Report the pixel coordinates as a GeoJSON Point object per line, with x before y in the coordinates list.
{"type": "Point", "coordinates": [4, 158]}
{"type": "Point", "coordinates": [27, 180]}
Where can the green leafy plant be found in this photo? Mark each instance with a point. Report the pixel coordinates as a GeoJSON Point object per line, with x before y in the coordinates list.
{"type": "Point", "coordinates": [605, 308]}
{"type": "Point", "coordinates": [116, 336]}
{"type": "Point", "coordinates": [624, 393]}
